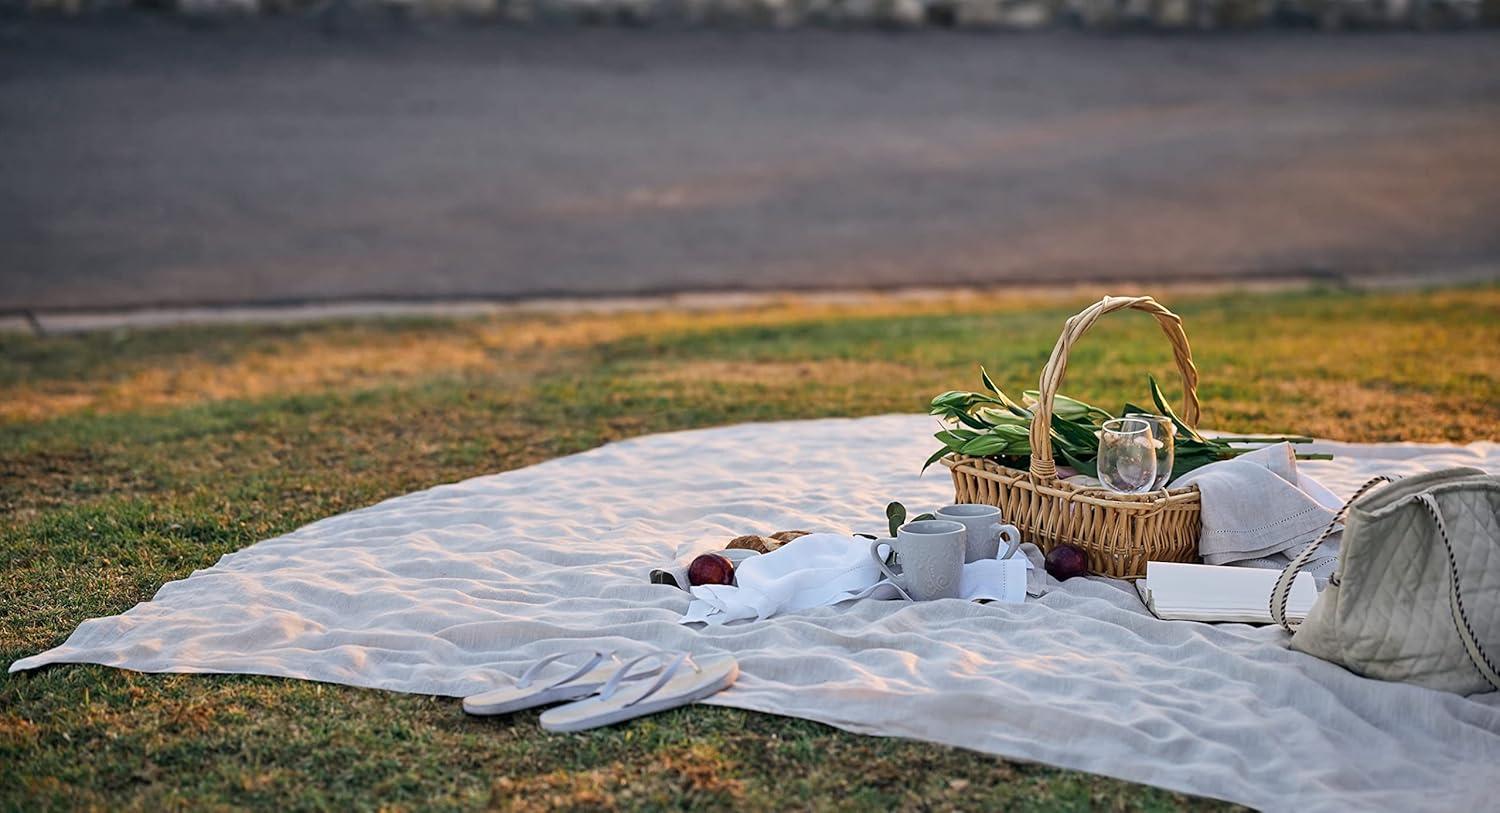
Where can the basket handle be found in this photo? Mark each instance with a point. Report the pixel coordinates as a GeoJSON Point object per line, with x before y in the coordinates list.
{"type": "Point", "coordinates": [1052, 375]}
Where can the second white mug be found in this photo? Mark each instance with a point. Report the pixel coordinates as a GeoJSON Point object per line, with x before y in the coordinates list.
{"type": "Point", "coordinates": [985, 530]}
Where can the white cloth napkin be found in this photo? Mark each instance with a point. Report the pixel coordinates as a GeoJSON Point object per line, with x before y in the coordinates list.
{"type": "Point", "coordinates": [1259, 511]}
{"type": "Point", "coordinates": [823, 569]}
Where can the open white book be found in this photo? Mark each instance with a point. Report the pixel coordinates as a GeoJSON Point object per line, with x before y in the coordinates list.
{"type": "Point", "coordinates": [1183, 592]}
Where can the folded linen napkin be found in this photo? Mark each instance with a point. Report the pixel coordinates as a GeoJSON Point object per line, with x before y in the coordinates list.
{"type": "Point", "coordinates": [1259, 511]}
{"type": "Point", "coordinates": [823, 569]}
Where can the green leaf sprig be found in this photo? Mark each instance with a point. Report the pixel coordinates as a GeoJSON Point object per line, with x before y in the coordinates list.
{"type": "Point", "coordinates": [895, 515]}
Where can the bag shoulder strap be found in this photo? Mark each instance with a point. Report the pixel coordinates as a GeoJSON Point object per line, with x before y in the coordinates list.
{"type": "Point", "coordinates": [1477, 655]}
{"type": "Point", "coordinates": [1283, 588]}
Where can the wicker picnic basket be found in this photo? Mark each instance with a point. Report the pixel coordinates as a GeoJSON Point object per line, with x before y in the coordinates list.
{"type": "Point", "coordinates": [1119, 532]}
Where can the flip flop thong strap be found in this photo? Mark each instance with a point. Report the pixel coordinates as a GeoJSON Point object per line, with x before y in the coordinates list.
{"type": "Point", "coordinates": [595, 656]}
{"type": "Point", "coordinates": [627, 672]}
{"type": "Point", "coordinates": [666, 676]}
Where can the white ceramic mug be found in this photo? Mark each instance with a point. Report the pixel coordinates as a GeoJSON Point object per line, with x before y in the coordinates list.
{"type": "Point", "coordinates": [931, 553]}
{"type": "Point", "coordinates": [985, 530]}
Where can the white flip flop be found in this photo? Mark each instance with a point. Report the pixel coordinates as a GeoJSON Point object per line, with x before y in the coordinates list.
{"type": "Point", "coordinates": [677, 686]}
{"type": "Point", "coordinates": [529, 692]}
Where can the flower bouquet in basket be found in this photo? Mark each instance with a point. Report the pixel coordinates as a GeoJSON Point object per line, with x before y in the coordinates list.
{"type": "Point", "coordinates": [1006, 454]}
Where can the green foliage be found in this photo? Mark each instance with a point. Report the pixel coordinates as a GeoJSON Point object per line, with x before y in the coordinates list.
{"type": "Point", "coordinates": [980, 430]}
{"type": "Point", "coordinates": [895, 515]}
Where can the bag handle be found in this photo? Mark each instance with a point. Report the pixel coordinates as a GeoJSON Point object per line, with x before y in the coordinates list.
{"type": "Point", "coordinates": [1283, 588]}
{"type": "Point", "coordinates": [1042, 464]}
{"type": "Point", "coordinates": [1477, 655]}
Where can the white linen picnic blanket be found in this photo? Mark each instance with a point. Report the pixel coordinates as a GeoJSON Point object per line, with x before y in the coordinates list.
{"type": "Point", "coordinates": [454, 589]}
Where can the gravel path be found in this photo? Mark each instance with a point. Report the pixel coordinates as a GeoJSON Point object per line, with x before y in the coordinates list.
{"type": "Point", "coordinates": [145, 162]}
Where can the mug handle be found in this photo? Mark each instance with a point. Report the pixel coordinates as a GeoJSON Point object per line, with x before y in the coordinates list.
{"type": "Point", "coordinates": [880, 563]}
{"type": "Point", "coordinates": [1012, 537]}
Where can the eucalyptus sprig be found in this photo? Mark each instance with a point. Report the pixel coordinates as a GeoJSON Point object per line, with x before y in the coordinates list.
{"type": "Point", "coordinates": [990, 424]}
{"type": "Point", "coordinates": [895, 515]}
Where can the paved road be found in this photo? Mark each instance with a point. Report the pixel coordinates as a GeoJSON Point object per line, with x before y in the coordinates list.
{"type": "Point", "coordinates": [145, 162]}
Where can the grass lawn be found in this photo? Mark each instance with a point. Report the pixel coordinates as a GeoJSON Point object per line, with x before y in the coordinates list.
{"type": "Point", "coordinates": [130, 459]}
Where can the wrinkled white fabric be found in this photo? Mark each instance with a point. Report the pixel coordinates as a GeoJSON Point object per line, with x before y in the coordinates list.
{"type": "Point", "coordinates": [819, 570]}
{"type": "Point", "coordinates": [1260, 509]}
{"type": "Point", "coordinates": [456, 589]}
{"type": "Point", "coordinates": [1257, 505]}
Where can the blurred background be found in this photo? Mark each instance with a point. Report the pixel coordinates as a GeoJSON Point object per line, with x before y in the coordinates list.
{"type": "Point", "coordinates": [273, 152]}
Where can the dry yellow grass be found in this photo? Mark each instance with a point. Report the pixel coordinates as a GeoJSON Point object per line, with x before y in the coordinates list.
{"type": "Point", "coordinates": [341, 357]}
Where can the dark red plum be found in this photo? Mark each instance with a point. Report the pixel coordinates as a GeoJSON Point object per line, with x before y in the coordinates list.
{"type": "Point", "coordinates": [1066, 561]}
{"type": "Point", "coordinates": [711, 568]}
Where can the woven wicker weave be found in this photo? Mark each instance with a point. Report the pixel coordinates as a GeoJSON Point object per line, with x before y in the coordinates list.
{"type": "Point", "coordinates": [1119, 532]}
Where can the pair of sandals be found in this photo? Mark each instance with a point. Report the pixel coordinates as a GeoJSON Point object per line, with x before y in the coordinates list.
{"type": "Point", "coordinates": [603, 691]}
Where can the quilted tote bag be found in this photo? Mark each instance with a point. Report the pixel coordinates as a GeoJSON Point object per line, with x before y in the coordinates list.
{"type": "Point", "coordinates": [1416, 595]}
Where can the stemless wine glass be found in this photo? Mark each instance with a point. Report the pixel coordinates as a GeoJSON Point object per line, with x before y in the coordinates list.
{"type": "Point", "coordinates": [1127, 456]}
{"type": "Point", "coordinates": [1164, 435]}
